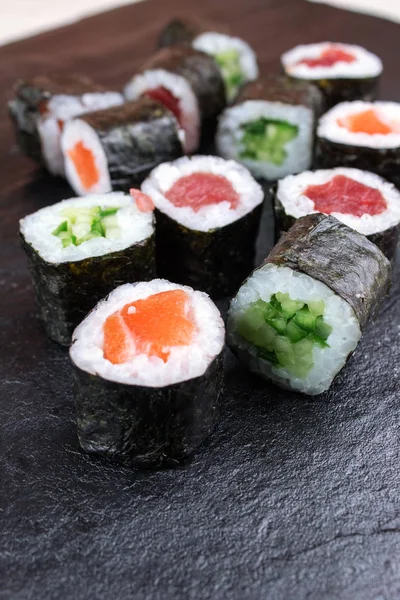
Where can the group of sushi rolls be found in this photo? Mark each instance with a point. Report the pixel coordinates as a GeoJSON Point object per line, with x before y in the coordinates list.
{"type": "Point", "coordinates": [154, 208]}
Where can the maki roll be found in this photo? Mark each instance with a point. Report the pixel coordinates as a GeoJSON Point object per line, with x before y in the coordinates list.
{"type": "Point", "coordinates": [361, 200]}
{"type": "Point", "coordinates": [236, 60]}
{"type": "Point", "coordinates": [343, 72]}
{"type": "Point", "coordinates": [148, 373]}
{"type": "Point", "coordinates": [364, 135]}
{"type": "Point", "coordinates": [189, 84]}
{"type": "Point", "coordinates": [271, 127]}
{"type": "Point", "coordinates": [81, 249]}
{"type": "Point", "coordinates": [300, 315]}
{"type": "Point", "coordinates": [43, 104]}
{"type": "Point", "coordinates": [207, 219]}
{"type": "Point", "coordinates": [117, 148]}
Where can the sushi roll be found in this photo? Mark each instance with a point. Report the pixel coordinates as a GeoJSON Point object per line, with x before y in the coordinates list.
{"type": "Point", "coordinates": [116, 149]}
{"type": "Point", "coordinates": [80, 249]}
{"type": "Point", "coordinates": [361, 200]}
{"type": "Point", "coordinates": [236, 60]}
{"type": "Point", "coordinates": [189, 84]}
{"type": "Point", "coordinates": [43, 104]}
{"type": "Point", "coordinates": [148, 373]}
{"type": "Point", "coordinates": [364, 135]}
{"type": "Point", "coordinates": [207, 218]}
{"type": "Point", "coordinates": [271, 127]}
{"type": "Point", "coordinates": [301, 314]}
{"type": "Point", "coordinates": [343, 72]}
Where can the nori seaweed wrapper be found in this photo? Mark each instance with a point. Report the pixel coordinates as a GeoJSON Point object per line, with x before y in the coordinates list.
{"type": "Point", "coordinates": [143, 426]}
{"type": "Point", "coordinates": [30, 102]}
{"type": "Point", "coordinates": [136, 138]}
{"type": "Point", "coordinates": [386, 240]}
{"type": "Point", "coordinates": [346, 89]}
{"type": "Point", "coordinates": [383, 161]}
{"type": "Point", "coordinates": [214, 261]}
{"type": "Point", "coordinates": [346, 261]}
{"type": "Point", "coordinates": [67, 291]}
{"type": "Point", "coordinates": [183, 30]}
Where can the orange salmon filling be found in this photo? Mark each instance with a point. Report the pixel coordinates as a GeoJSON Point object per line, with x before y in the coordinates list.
{"type": "Point", "coordinates": [368, 121]}
{"type": "Point", "coordinates": [150, 326]}
{"type": "Point", "coordinates": [85, 165]}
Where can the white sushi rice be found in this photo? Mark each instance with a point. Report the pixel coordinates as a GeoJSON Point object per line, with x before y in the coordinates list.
{"type": "Point", "coordinates": [163, 177]}
{"type": "Point", "coordinates": [134, 226]}
{"type": "Point", "coordinates": [388, 112]}
{"type": "Point", "coordinates": [346, 333]}
{"type": "Point", "coordinates": [76, 131]}
{"type": "Point", "coordinates": [299, 150]}
{"type": "Point", "coordinates": [365, 65]}
{"type": "Point", "coordinates": [62, 107]}
{"type": "Point", "coordinates": [291, 190]}
{"type": "Point", "coordinates": [180, 88]}
{"type": "Point", "coordinates": [184, 362]}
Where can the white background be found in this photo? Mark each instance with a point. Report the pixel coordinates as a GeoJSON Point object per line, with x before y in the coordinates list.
{"type": "Point", "coordinates": [21, 18]}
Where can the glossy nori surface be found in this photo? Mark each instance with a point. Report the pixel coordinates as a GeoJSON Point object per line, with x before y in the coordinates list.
{"type": "Point", "coordinates": [386, 240]}
{"type": "Point", "coordinates": [143, 426]}
{"type": "Point", "coordinates": [183, 30]}
{"type": "Point", "coordinates": [346, 261]}
{"type": "Point", "coordinates": [136, 137]}
{"type": "Point", "coordinates": [66, 292]}
{"type": "Point", "coordinates": [346, 90]}
{"type": "Point", "coordinates": [215, 261]}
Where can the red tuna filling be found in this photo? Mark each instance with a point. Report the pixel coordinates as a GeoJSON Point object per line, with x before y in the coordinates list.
{"type": "Point", "coordinates": [202, 189]}
{"type": "Point", "coordinates": [164, 96]}
{"type": "Point", "coordinates": [344, 195]}
{"type": "Point", "coordinates": [328, 58]}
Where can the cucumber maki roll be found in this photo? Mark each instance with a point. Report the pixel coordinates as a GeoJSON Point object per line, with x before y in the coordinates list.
{"type": "Point", "coordinates": [364, 135]}
{"type": "Point", "coordinates": [343, 72]}
{"type": "Point", "coordinates": [43, 104]}
{"type": "Point", "coordinates": [80, 249]}
{"type": "Point", "coordinates": [300, 315]}
{"type": "Point", "coordinates": [207, 220]}
{"type": "Point", "coordinates": [271, 127]}
{"type": "Point", "coordinates": [189, 84]}
{"type": "Point", "coordinates": [117, 148]}
{"type": "Point", "coordinates": [236, 60]}
{"type": "Point", "coordinates": [148, 373]}
{"type": "Point", "coordinates": [361, 200]}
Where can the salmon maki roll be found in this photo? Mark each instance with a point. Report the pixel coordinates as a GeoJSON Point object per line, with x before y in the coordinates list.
{"type": "Point", "coordinates": [148, 373]}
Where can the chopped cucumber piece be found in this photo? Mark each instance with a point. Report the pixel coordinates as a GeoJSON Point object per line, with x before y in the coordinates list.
{"type": "Point", "coordinates": [304, 319]}
{"type": "Point", "coordinates": [61, 228]}
{"type": "Point", "coordinates": [231, 70]}
{"type": "Point", "coordinates": [294, 332]}
{"type": "Point", "coordinates": [265, 140]}
{"type": "Point", "coordinates": [279, 324]}
{"type": "Point", "coordinates": [322, 329]}
{"type": "Point", "coordinates": [289, 306]}
{"type": "Point", "coordinates": [316, 307]}
{"type": "Point", "coordinates": [85, 223]}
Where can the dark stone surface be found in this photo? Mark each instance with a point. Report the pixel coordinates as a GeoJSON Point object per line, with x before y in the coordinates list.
{"type": "Point", "coordinates": [292, 498]}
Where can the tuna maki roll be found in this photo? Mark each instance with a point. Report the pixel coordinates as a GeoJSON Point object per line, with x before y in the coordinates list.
{"type": "Point", "coordinates": [117, 148]}
{"type": "Point", "coordinates": [271, 127]}
{"type": "Point", "coordinates": [43, 104]}
{"type": "Point", "coordinates": [148, 373]}
{"type": "Point", "coordinates": [364, 135]}
{"type": "Point", "coordinates": [80, 249]}
{"type": "Point", "coordinates": [361, 200]}
{"type": "Point", "coordinates": [207, 219]}
{"type": "Point", "coordinates": [189, 84]}
{"type": "Point", "coordinates": [301, 314]}
{"type": "Point", "coordinates": [343, 72]}
{"type": "Point", "coordinates": [236, 60]}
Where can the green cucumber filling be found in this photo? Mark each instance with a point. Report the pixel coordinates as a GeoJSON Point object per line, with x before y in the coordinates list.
{"type": "Point", "coordinates": [85, 223]}
{"type": "Point", "coordinates": [265, 140]}
{"type": "Point", "coordinates": [285, 331]}
{"type": "Point", "coordinates": [232, 74]}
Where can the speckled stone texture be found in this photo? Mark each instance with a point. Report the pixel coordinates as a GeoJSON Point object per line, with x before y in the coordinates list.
{"type": "Point", "coordinates": [291, 499]}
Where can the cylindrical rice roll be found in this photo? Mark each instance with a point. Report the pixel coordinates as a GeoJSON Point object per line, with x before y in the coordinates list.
{"type": "Point", "coordinates": [271, 127]}
{"type": "Point", "coordinates": [148, 373]}
{"type": "Point", "coordinates": [189, 83]}
{"type": "Point", "coordinates": [360, 199]}
{"type": "Point", "coordinates": [363, 135]}
{"type": "Point", "coordinates": [343, 72]}
{"type": "Point", "coordinates": [300, 315]}
{"type": "Point", "coordinates": [81, 249]}
{"type": "Point", "coordinates": [117, 148]}
{"type": "Point", "coordinates": [43, 104]}
{"type": "Point", "coordinates": [207, 220]}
